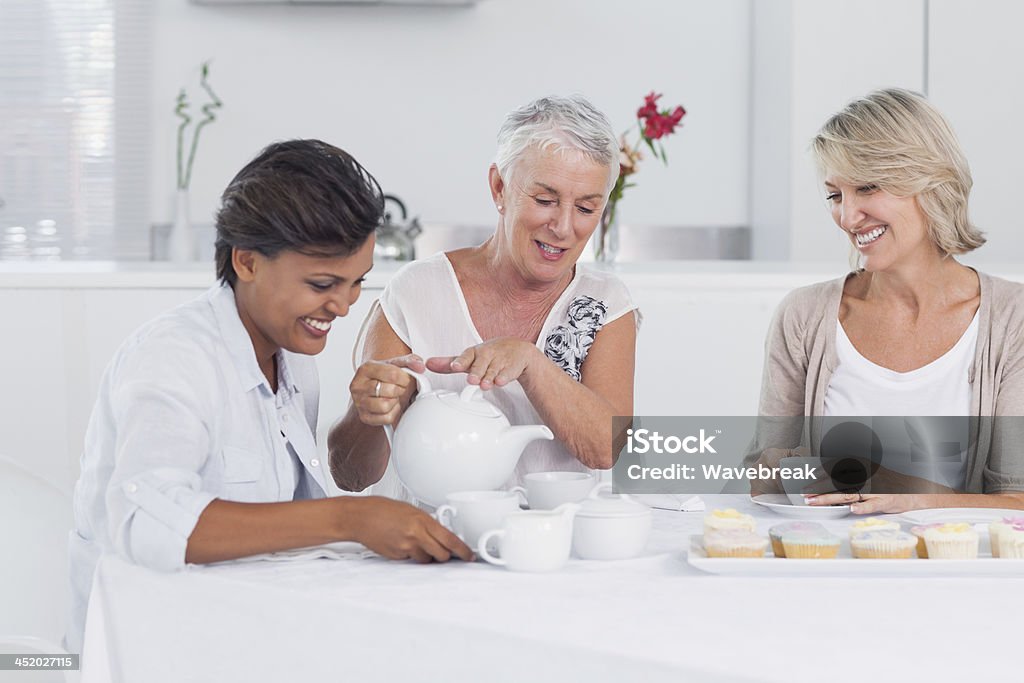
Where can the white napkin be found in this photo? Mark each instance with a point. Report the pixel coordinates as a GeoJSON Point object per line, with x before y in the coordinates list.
{"type": "Point", "coordinates": [344, 550]}
{"type": "Point", "coordinates": [671, 501]}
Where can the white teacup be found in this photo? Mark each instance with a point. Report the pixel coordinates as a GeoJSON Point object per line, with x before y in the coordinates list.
{"type": "Point", "coordinates": [470, 513]}
{"type": "Point", "coordinates": [532, 540]}
{"type": "Point", "coordinates": [548, 490]}
{"type": "Point", "coordinates": [795, 488]}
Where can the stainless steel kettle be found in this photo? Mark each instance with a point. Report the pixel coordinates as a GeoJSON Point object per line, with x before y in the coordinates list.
{"type": "Point", "coordinates": [395, 240]}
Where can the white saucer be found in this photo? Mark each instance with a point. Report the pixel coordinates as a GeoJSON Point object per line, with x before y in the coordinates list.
{"type": "Point", "coordinates": [779, 504]}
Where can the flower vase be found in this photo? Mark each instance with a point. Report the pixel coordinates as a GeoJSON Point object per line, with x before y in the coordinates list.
{"type": "Point", "coordinates": [606, 241]}
{"type": "Point", "coordinates": [181, 243]}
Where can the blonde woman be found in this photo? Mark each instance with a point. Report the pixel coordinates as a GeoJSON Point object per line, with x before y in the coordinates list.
{"type": "Point", "coordinates": [912, 332]}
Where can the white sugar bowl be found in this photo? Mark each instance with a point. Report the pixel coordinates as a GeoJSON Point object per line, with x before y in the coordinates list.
{"type": "Point", "coordinates": [610, 528]}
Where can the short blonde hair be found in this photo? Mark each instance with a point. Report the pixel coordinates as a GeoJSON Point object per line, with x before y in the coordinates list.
{"type": "Point", "coordinates": [897, 140]}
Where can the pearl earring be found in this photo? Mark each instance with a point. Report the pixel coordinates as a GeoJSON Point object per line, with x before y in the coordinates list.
{"type": "Point", "coordinates": [500, 207]}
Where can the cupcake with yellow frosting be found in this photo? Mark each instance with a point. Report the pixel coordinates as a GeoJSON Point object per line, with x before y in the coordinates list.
{"type": "Point", "coordinates": [723, 520]}
{"type": "Point", "coordinates": [883, 544]}
{"type": "Point", "coordinates": [957, 541]}
{"type": "Point", "coordinates": [734, 543]}
{"type": "Point", "coordinates": [775, 533]}
{"type": "Point", "coordinates": [872, 524]}
{"type": "Point", "coordinates": [810, 545]}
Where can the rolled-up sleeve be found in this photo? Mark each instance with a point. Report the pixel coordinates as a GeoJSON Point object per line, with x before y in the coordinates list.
{"type": "Point", "coordinates": [155, 495]}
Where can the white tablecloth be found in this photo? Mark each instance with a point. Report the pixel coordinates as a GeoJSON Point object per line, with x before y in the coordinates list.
{"type": "Point", "coordinates": [654, 618]}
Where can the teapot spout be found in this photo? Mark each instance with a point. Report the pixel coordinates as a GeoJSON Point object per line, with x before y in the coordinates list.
{"type": "Point", "coordinates": [516, 438]}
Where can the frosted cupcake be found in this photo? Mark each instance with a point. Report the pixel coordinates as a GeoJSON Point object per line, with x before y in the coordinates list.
{"type": "Point", "coordinates": [918, 531]}
{"type": "Point", "coordinates": [775, 533]}
{"type": "Point", "coordinates": [872, 524]}
{"type": "Point", "coordinates": [952, 542]}
{"type": "Point", "coordinates": [883, 544]}
{"type": "Point", "coordinates": [810, 545]}
{"type": "Point", "coordinates": [1011, 540]}
{"type": "Point", "coordinates": [734, 543]}
{"type": "Point", "coordinates": [722, 520]}
{"type": "Point", "coordinates": [995, 530]}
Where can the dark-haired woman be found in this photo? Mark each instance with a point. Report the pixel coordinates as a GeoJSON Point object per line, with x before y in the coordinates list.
{"type": "Point", "coordinates": [201, 444]}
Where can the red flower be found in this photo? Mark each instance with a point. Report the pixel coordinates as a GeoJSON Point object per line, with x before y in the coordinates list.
{"type": "Point", "coordinates": [660, 124]}
{"type": "Point", "coordinates": [650, 107]}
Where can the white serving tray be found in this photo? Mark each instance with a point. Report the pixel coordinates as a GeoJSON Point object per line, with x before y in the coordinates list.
{"type": "Point", "coordinates": [770, 565]}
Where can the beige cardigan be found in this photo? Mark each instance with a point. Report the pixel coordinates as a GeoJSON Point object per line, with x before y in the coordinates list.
{"type": "Point", "coordinates": [800, 356]}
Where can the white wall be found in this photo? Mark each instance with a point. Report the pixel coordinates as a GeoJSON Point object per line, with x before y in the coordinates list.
{"type": "Point", "coordinates": [836, 50]}
{"type": "Point", "coordinates": [417, 94]}
{"type": "Point", "coordinates": [976, 59]}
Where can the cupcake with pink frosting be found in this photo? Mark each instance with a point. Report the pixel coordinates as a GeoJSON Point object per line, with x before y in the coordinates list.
{"type": "Point", "coordinates": [918, 531]}
{"type": "Point", "coordinates": [996, 530]}
{"type": "Point", "coordinates": [1008, 541]}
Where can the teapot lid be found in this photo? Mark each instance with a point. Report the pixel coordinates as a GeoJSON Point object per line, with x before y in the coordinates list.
{"type": "Point", "coordinates": [469, 401]}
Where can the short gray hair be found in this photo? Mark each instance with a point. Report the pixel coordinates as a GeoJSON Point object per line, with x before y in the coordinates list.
{"type": "Point", "coordinates": [899, 141]}
{"type": "Point", "coordinates": [559, 123]}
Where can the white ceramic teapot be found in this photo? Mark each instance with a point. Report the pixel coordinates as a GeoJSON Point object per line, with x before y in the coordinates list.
{"type": "Point", "coordinates": [448, 442]}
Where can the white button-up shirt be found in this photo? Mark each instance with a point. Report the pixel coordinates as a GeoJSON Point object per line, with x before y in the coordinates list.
{"type": "Point", "coordinates": [185, 415]}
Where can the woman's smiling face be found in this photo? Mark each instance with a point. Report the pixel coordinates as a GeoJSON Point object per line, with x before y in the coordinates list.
{"type": "Point", "coordinates": [289, 301]}
{"type": "Point", "coordinates": [550, 205]}
{"type": "Point", "coordinates": [885, 229]}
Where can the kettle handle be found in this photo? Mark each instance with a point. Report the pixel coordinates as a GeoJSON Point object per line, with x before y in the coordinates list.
{"type": "Point", "coordinates": [396, 200]}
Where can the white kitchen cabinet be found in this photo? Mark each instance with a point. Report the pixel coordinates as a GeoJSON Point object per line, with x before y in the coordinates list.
{"type": "Point", "coordinates": [699, 351]}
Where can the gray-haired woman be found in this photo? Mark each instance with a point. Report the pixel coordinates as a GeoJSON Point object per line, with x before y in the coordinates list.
{"type": "Point", "coordinates": [549, 341]}
{"type": "Point", "coordinates": [912, 332]}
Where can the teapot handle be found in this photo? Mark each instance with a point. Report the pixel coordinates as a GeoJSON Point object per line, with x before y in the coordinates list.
{"type": "Point", "coordinates": [424, 388]}
{"type": "Point", "coordinates": [421, 380]}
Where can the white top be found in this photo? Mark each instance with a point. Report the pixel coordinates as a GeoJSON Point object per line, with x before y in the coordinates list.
{"type": "Point", "coordinates": [941, 388]}
{"type": "Point", "coordinates": [860, 387]}
{"type": "Point", "coordinates": [185, 415]}
{"type": "Point", "coordinates": [426, 308]}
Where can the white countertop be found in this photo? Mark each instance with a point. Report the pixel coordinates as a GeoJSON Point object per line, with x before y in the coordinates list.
{"type": "Point", "coordinates": [688, 274]}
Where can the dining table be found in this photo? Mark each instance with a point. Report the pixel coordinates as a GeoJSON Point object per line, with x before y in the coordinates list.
{"type": "Point", "coordinates": [346, 614]}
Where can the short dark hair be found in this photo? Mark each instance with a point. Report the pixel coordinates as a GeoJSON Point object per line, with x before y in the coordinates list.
{"type": "Point", "coordinates": [300, 195]}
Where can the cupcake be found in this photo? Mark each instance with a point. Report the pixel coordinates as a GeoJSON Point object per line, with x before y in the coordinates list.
{"type": "Point", "coordinates": [810, 545]}
{"type": "Point", "coordinates": [721, 520]}
{"type": "Point", "coordinates": [957, 541]}
{"type": "Point", "coordinates": [883, 544]}
{"type": "Point", "coordinates": [1011, 540]}
{"type": "Point", "coordinates": [918, 531]}
{"type": "Point", "coordinates": [775, 533]}
{"type": "Point", "coordinates": [734, 543]}
{"type": "Point", "coordinates": [995, 530]}
{"type": "Point", "coordinates": [872, 524]}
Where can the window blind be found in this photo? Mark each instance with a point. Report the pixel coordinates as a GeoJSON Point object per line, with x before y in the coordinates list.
{"type": "Point", "coordinates": [73, 129]}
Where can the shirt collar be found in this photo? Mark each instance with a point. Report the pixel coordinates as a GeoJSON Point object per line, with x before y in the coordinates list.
{"type": "Point", "coordinates": [236, 337]}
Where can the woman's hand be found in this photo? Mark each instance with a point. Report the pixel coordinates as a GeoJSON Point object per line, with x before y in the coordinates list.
{"type": "Point", "coordinates": [494, 363]}
{"type": "Point", "coordinates": [871, 503]}
{"type": "Point", "coordinates": [902, 492]}
{"type": "Point", "coordinates": [399, 531]}
{"type": "Point", "coordinates": [381, 391]}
